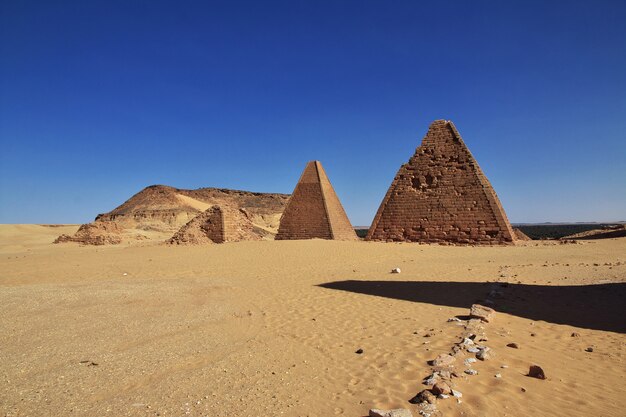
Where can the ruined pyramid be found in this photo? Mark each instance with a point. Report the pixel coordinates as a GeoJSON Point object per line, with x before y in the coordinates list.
{"type": "Point", "coordinates": [441, 195]}
{"type": "Point", "coordinates": [218, 224]}
{"type": "Point", "coordinates": [314, 210]}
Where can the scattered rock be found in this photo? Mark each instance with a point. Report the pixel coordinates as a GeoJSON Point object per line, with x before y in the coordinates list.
{"type": "Point", "coordinates": [471, 371]}
{"type": "Point", "coordinates": [536, 372]}
{"type": "Point", "coordinates": [484, 354]}
{"type": "Point", "coordinates": [397, 412]}
{"type": "Point", "coordinates": [359, 351]}
{"type": "Point", "coordinates": [513, 345]}
{"type": "Point", "coordinates": [468, 342]}
{"type": "Point", "coordinates": [589, 349]}
{"type": "Point", "coordinates": [443, 360]}
{"type": "Point", "coordinates": [473, 350]}
{"type": "Point", "coordinates": [456, 393]}
{"type": "Point", "coordinates": [423, 396]}
{"type": "Point", "coordinates": [441, 388]}
{"type": "Point", "coordinates": [498, 375]}
{"type": "Point", "coordinates": [451, 319]}
{"type": "Point", "coordinates": [575, 334]}
{"type": "Point", "coordinates": [483, 313]}
{"type": "Point", "coordinates": [469, 361]}
{"type": "Point", "coordinates": [523, 389]}
{"type": "Point", "coordinates": [396, 271]}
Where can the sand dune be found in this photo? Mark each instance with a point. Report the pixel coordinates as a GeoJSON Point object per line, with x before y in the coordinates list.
{"type": "Point", "coordinates": [271, 328]}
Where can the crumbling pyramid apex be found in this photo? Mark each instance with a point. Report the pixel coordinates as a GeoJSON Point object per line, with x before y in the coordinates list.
{"type": "Point", "coordinates": [441, 196]}
{"type": "Point", "coordinates": [314, 210]}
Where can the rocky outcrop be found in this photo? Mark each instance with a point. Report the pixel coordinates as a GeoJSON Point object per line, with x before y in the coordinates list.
{"type": "Point", "coordinates": [607, 232]}
{"type": "Point", "coordinates": [157, 212]}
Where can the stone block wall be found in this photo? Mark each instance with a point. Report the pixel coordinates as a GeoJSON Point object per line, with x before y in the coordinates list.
{"type": "Point", "coordinates": [441, 196]}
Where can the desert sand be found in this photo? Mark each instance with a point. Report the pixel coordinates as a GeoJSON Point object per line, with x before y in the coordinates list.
{"type": "Point", "coordinates": [271, 328]}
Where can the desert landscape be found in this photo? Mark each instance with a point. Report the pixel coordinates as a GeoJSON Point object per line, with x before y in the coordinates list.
{"type": "Point", "coordinates": [312, 209]}
{"type": "Point", "coordinates": [272, 327]}
{"type": "Point", "coordinates": [218, 302]}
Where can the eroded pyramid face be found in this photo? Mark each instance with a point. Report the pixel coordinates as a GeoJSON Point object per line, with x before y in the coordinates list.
{"type": "Point", "coordinates": [441, 195]}
{"type": "Point", "coordinates": [314, 210]}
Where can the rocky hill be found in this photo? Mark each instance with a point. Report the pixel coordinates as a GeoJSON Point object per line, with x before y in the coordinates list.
{"type": "Point", "coordinates": [607, 232]}
{"type": "Point", "coordinates": [157, 212]}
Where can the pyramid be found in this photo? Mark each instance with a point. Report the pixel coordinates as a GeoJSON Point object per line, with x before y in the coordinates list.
{"type": "Point", "coordinates": [218, 224]}
{"type": "Point", "coordinates": [441, 196]}
{"type": "Point", "coordinates": [314, 210]}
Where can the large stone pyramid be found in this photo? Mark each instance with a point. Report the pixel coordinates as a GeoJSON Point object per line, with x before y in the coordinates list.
{"type": "Point", "coordinates": [314, 210]}
{"type": "Point", "coordinates": [441, 195]}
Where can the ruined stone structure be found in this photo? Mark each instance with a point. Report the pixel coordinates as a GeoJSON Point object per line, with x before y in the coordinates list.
{"type": "Point", "coordinates": [218, 224]}
{"type": "Point", "coordinates": [441, 196]}
{"type": "Point", "coordinates": [314, 210]}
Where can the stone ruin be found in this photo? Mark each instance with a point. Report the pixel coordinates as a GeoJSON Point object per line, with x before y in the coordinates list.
{"type": "Point", "coordinates": [314, 210]}
{"type": "Point", "coordinates": [441, 196]}
{"type": "Point", "coordinates": [218, 224]}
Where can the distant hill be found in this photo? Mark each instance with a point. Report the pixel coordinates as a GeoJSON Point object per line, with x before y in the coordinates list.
{"type": "Point", "coordinates": [159, 211]}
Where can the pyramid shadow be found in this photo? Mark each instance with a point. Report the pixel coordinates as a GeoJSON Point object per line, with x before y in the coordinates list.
{"type": "Point", "coordinates": [598, 307]}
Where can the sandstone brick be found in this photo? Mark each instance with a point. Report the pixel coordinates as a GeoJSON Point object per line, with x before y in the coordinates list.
{"type": "Point", "coordinates": [441, 195]}
{"type": "Point", "coordinates": [314, 210]}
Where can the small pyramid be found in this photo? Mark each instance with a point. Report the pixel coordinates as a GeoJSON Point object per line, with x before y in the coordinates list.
{"type": "Point", "coordinates": [314, 210]}
{"type": "Point", "coordinates": [441, 195]}
{"type": "Point", "coordinates": [218, 224]}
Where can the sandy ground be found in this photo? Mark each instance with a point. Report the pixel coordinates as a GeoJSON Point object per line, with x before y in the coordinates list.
{"type": "Point", "coordinates": [271, 328]}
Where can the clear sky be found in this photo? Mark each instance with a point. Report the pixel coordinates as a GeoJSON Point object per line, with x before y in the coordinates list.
{"type": "Point", "coordinates": [99, 99]}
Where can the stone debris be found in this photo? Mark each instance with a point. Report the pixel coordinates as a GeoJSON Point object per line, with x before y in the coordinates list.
{"type": "Point", "coordinates": [513, 345]}
{"type": "Point", "coordinates": [359, 351]}
{"type": "Point", "coordinates": [575, 334]}
{"type": "Point", "coordinates": [484, 353]}
{"type": "Point", "coordinates": [451, 319]}
{"type": "Point", "coordinates": [444, 360]}
{"type": "Point", "coordinates": [536, 372]}
{"type": "Point", "coordinates": [498, 375]}
{"type": "Point", "coordinates": [457, 394]}
{"type": "Point", "coordinates": [428, 410]}
{"type": "Point", "coordinates": [397, 412]}
{"type": "Point", "coordinates": [589, 349]}
{"type": "Point", "coordinates": [424, 396]}
{"type": "Point", "coordinates": [96, 233]}
{"type": "Point", "coordinates": [432, 379]}
{"type": "Point", "coordinates": [471, 371]}
{"type": "Point", "coordinates": [468, 342]}
{"type": "Point", "coordinates": [486, 314]}
{"type": "Point", "coordinates": [469, 361]}
{"type": "Point", "coordinates": [396, 271]}
{"type": "Point", "coordinates": [441, 388]}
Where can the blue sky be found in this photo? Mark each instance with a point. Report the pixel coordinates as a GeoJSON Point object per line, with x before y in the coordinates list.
{"type": "Point", "coordinates": [99, 99]}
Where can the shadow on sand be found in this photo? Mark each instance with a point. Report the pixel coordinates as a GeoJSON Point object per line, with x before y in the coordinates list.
{"type": "Point", "coordinates": [599, 307]}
